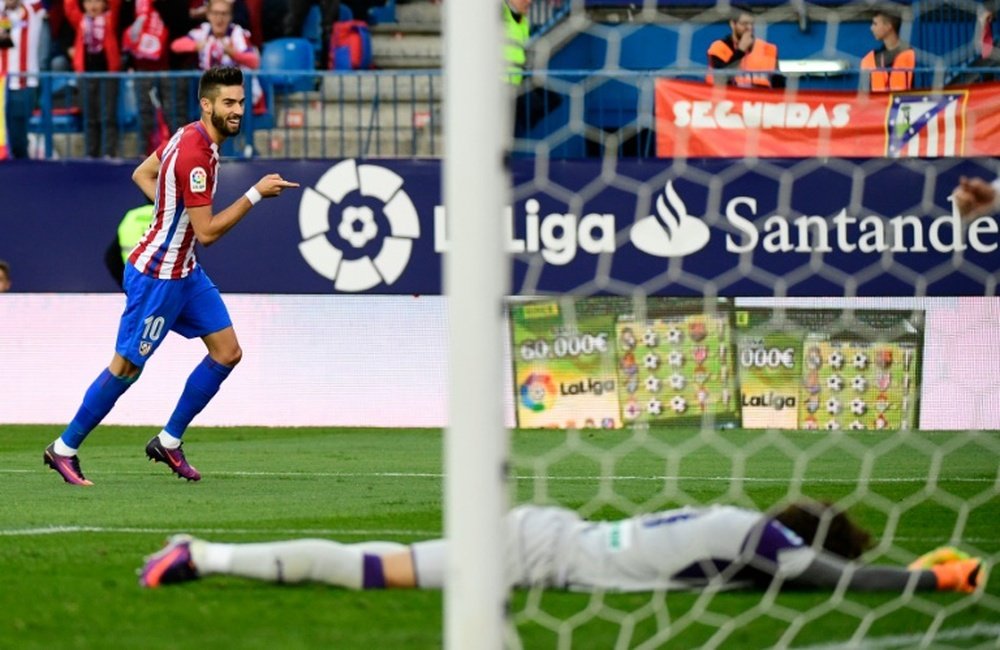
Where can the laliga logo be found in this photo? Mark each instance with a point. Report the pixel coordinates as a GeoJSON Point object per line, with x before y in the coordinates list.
{"type": "Point", "coordinates": [356, 225]}
{"type": "Point", "coordinates": [671, 233]}
{"type": "Point", "coordinates": [538, 392]}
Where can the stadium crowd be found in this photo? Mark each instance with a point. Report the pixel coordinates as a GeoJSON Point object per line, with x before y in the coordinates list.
{"type": "Point", "coordinates": [138, 35]}
{"type": "Point", "coordinates": [151, 36]}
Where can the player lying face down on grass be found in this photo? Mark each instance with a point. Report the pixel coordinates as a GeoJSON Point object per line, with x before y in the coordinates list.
{"type": "Point", "coordinates": [806, 545]}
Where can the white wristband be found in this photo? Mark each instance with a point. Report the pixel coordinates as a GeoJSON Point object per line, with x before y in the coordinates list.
{"type": "Point", "coordinates": [253, 195]}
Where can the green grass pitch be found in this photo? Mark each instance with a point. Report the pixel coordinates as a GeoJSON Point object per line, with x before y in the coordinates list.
{"type": "Point", "coordinates": [68, 556]}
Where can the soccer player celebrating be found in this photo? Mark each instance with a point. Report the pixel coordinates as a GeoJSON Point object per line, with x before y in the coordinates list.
{"type": "Point", "coordinates": [806, 545]}
{"type": "Point", "coordinates": [166, 288]}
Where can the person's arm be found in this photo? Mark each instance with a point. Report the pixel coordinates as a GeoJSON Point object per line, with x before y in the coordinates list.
{"type": "Point", "coordinates": [722, 56]}
{"type": "Point", "coordinates": [184, 45]}
{"type": "Point", "coordinates": [73, 12]}
{"type": "Point", "coordinates": [238, 47]}
{"type": "Point", "coordinates": [145, 175]}
{"type": "Point", "coordinates": [974, 197]}
{"type": "Point", "coordinates": [827, 571]}
{"type": "Point", "coordinates": [208, 227]}
{"type": "Point", "coordinates": [114, 14]}
{"type": "Point", "coordinates": [248, 59]}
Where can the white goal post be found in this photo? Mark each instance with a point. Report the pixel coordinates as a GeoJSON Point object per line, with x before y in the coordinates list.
{"type": "Point", "coordinates": [476, 275]}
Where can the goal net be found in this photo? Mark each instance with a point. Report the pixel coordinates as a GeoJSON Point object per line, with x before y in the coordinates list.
{"type": "Point", "coordinates": [749, 286]}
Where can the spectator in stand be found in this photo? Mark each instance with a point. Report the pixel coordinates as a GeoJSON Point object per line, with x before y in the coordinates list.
{"type": "Point", "coordinates": [4, 277]}
{"type": "Point", "coordinates": [987, 54]}
{"type": "Point", "coordinates": [61, 38]}
{"type": "Point", "coordinates": [21, 25]}
{"type": "Point", "coordinates": [889, 67]}
{"type": "Point", "coordinates": [533, 102]}
{"type": "Point", "coordinates": [517, 30]}
{"type": "Point", "coordinates": [755, 58]}
{"type": "Point", "coordinates": [295, 19]}
{"type": "Point", "coordinates": [198, 12]}
{"type": "Point", "coordinates": [130, 230]}
{"type": "Point", "coordinates": [96, 49]}
{"type": "Point", "coordinates": [176, 90]}
{"type": "Point", "coordinates": [144, 49]}
{"type": "Point", "coordinates": [273, 15]}
{"type": "Point", "coordinates": [222, 42]}
{"type": "Point", "coordinates": [255, 9]}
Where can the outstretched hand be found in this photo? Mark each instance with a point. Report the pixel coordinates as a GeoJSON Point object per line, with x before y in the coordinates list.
{"type": "Point", "coordinates": [272, 185]}
{"type": "Point", "coordinates": [973, 197]}
{"type": "Point", "coordinates": [954, 570]}
{"type": "Point", "coordinates": [940, 555]}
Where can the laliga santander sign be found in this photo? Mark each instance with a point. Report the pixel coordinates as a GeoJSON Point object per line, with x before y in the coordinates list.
{"type": "Point", "coordinates": [561, 238]}
{"type": "Point", "coordinates": [359, 228]}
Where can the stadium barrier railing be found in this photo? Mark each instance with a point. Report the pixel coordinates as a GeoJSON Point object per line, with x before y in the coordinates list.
{"type": "Point", "coordinates": [290, 114]}
{"type": "Point", "coordinates": [395, 114]}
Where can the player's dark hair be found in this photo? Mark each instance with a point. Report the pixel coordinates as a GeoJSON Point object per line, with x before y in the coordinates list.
{"type": "Point", "coordinates": [215, 78]}
{"type": "Point", "coordinates": [892, 16]}
{"type": "Point", "coordinates": [5, 267]}
{"type": "Point", "coordinates": [842, 536]}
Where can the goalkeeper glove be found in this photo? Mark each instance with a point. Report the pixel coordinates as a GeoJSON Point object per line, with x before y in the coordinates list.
{"type": "Point", "coordinates": [940, 555]}
{"type": "Point", "coordinates": [961, 575]}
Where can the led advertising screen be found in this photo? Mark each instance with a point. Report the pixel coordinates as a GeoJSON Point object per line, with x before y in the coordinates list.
{"type": "Point", "coordinates": [676, 364]}
{"type": "Point", "coordinates": [830, 369]}
{"type": "Point", "coordinates": [599, 362]}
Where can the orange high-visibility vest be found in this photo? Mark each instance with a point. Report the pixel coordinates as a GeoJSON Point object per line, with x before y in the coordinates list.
{"type": "Point", "coordinates": [888, 70]}
{"type": "Point", "coordinates": [760, 62]}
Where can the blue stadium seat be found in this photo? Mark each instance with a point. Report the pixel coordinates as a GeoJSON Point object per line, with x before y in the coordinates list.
{"type": "Point", "coordinates": [287, 55]}
{"type": "Point", "coordinates": [57, 109]}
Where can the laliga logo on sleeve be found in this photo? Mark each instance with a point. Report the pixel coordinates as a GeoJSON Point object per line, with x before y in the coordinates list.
{"type": "Point", "coordinates": [357, 226]}
{"type": "Point", "coordinates": [671, 232]}
{"type": "Point", "coordinates": [199, 179]}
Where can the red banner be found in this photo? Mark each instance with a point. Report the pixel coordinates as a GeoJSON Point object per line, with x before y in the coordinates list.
{"type": "Point", "coordinates": [702, 121]}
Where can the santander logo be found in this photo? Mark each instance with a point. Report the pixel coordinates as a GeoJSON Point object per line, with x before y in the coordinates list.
{"type": "Point", "coordinates": [671, 232]}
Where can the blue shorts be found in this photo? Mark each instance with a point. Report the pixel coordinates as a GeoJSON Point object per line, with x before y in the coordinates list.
{"type": "Point", "coordinates": [190, 306]}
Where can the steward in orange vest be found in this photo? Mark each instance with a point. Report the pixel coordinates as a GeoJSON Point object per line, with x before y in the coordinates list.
{"type": "Point", "coordinates": [889, 67]}
{"type": "Point", "coordinates": [741, 51]}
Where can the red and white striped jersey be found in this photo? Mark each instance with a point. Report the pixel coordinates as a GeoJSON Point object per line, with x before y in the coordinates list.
{"type": "Point", "coordinates": [189, 166]}
{"type": "Point", "coordinates": [24, 23]}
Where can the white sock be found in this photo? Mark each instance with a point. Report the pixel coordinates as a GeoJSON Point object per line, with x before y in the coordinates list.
{"type": "Point", "coordinates": [169, 441]}
{"type": "Point", "coordinates": [211, 558]}
{"type": "Point", "coordinates": [303, 560]}
{"type": "Point", "coordinates": [62, 448]}
{"type": "Point", "coordinates": [429, 560]}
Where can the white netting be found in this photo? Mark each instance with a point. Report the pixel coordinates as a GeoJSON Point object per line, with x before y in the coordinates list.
{"type": "Point", "coordinates": [800, 346]}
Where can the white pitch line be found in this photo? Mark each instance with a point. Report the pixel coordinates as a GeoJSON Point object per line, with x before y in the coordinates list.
{"type": "Point", "coordinates": [977, 630]}
{"type": "Point", "coordinates": [297, 532]}
{"type": "Point", "coordinates": [535, 477]}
